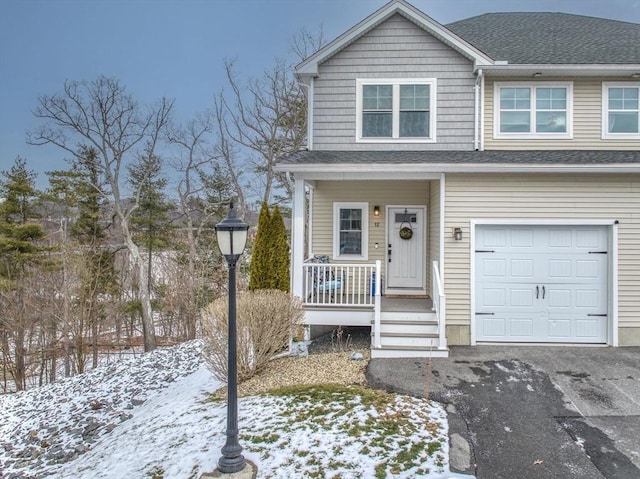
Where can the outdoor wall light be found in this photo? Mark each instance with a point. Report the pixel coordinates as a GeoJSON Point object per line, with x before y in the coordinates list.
{"type": "Point", "coordinates": [376, 210]}
{"type": "Point", "coordinates": [457, 234]}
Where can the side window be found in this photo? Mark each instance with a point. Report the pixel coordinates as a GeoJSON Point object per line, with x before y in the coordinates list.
{"type": "Point", "coordinates": [620, 110]}
{"type": "Point", "coordinates": [350, 230]}
{"type": "Point", "coordinates": [542, 110]}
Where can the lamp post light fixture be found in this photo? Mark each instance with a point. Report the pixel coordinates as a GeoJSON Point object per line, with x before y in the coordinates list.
{"type": "Point", "coordinates": [231, 234]}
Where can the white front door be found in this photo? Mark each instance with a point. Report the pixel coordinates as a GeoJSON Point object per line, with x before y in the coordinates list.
{"type": "Point", "coordinates": [541, 283]}
{"type": "Point", "coordinates": [405, 250]}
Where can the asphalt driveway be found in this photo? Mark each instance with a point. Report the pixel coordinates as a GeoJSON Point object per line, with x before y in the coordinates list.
{"type": "Point", "coordinates": [531, 412]}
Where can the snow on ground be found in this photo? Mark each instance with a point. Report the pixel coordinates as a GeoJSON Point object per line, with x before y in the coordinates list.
{"type": "Point", "coordinates": [152, 416]}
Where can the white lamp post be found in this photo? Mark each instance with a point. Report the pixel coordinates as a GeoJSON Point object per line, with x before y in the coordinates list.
{"type": "Point", "coordinates": [231, 234]}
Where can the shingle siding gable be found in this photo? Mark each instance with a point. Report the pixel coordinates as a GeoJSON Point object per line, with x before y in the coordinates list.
{"type": "Point", "coordinates": [397, 48]}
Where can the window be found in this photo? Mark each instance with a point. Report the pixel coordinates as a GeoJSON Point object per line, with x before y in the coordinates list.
{"type": "Point", "coordinates": [350, 230]}
{"type": "Point", "coordinates": [541, 110]}
{"type": "Point", "coordinates": [392, 110]}
{"type": "Point", "coordinates": [620, 110]}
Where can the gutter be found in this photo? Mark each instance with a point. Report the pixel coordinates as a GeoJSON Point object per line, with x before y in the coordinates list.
{"type": "Point", "coordinates": [368, 169]}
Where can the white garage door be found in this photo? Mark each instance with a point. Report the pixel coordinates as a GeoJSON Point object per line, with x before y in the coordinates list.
{"type": "Point", "coordinates": [541, 283]}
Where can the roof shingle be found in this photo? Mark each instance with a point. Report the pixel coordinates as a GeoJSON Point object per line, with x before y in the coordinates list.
{"type": "Point", "coordinates": [556, 38]}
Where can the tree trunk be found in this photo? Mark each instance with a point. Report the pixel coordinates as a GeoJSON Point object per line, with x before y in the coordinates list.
{"type": "Point", "coordinates": [144, 295]}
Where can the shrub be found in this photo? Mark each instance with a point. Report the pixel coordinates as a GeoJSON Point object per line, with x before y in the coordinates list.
{"type": "Point", "coordinates": [279, 252]}
{"type": "Point", "coordinates": [261, 254]}
{"type": "Point", "coordinates": [266, 320]}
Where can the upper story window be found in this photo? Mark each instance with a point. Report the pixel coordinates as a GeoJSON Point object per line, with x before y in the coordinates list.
{"type": "Point", "coordinates": [620, 110]}
{"type": "Point", "coordinates": [350, 230]}
{"type": "Point", "coordinates": [533, 110]}
{"type": "Point", "coordinates": [396, 110]}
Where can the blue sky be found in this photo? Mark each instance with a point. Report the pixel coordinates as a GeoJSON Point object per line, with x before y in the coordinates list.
{"type": "Point", "coordinates": [176, 48]}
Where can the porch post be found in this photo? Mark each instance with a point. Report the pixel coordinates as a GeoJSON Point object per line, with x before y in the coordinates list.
{"type": "Point", "coordinates": [377, 306]}
{"type": "Point", "coordinates": [297, 238]}
{"type": "Point", "coordinates": [442, 300]}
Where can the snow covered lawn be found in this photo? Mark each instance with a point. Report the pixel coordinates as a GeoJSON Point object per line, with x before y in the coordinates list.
{"type": "Point", "coordinates": [154, 416]}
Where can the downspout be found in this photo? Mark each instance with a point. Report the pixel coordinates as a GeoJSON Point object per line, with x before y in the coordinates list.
{"type": "Point", "coordinates": [477, 111]}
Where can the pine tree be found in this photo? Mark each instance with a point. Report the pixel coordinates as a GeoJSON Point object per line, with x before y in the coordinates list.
{"type": "Point", "coordinates": [150, 221]}
{"type": "Point", "coordinates": [83, 190]}
{"type": "Point", "coordinates": [19, 250]}
{"type": "Point", "coordinates": [270, 258]}
{"type": "Point", "coordinates": [279, 252]}
{"type": "Point", "coordinates": [260, 257]}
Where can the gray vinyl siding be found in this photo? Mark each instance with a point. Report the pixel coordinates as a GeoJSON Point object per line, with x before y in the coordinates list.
{"type": "Point", "coordinates": [399, 49]}
{"type": "Point", "coordinates": [544, 197]}
{"type": "Point", "coordinates": [587, 121]}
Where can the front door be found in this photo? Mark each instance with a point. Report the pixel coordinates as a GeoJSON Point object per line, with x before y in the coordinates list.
{"type": "Point", "coordinates": [405, 249]}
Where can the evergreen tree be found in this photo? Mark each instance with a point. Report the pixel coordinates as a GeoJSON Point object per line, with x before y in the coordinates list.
{"type": "Point", "coordinates": [279, 252]}
{"type": "Point", "coordinates": [260, 256]}
{"type": "Point", "coordinates": [270, 257]}
{"type": "Point", "coordinates": [19, 249]}
{"type": "Point", "coordinates": [150, 221]}
{"type": "Point", "coordinates": [83, 190]}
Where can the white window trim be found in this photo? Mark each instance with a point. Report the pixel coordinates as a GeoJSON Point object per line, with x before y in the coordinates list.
{"type": "Point", "coordinates": [337, 206]}
{"type": "Point", "coordinates": [498, 135]}
{"type": "Point", "coordinates": [432, 82]}
{"type": "Point", "coordinates": [605, 111]}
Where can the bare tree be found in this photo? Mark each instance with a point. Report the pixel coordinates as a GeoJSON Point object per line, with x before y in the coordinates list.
{"type": "Point", "coordinates": [206, 184]}
{"type": "Point", "coordinates": [268, 117]}
{"type": "Point", "coordinates": [103, 115]}
{"type": "Point", "coordinates": [304, 43]}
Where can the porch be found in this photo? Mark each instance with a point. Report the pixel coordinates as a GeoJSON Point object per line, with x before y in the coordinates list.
{"type": "Point", "coordinates": [368, 250]}
{"type": "Point", "coordinates": [341, 294]}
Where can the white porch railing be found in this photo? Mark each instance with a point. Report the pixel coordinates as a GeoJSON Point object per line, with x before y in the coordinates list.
{"type": "Point", "coordinates": [439, 304]}
{"type": "Point", "coordinates": [342, 285]}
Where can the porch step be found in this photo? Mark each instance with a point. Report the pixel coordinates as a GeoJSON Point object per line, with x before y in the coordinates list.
{"type": "Point", "coordinates": [408, 352]}
{"type": "Point", "coordinates": [408, 327]}
{"type": "Point", "coordinates": [407, 316]}
{"type": "Point", "coordinates": [416, 339]}
{"type": "Point", "coordinates": [408, 323]}
{"type": "Point", "coordinates": [408, 334]}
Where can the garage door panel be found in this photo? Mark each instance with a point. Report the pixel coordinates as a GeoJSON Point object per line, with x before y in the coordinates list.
{"type": "Point", "coordinates": [558, 330]}
{"type": "Point", "coordinates": [590, 269]}
{"type": "Point", "coordinates": [541, 283]}
{"type": "Point", "coordinates": [560, 298]}
{"type": "Point", "coordinates": [494, 327]}
{"type": "Point", "coordinates": [522, 268]}
{"type": "Point", "coordinates": [494, 267]}
{"type": "Point", "coordinates": [501, 297]}
{"type": "Point", "coordinates": [521, 328]}
{"type": "Point", "coordinates": [515, 327]}
{"type": "Point", "coordinates": [591, 329]}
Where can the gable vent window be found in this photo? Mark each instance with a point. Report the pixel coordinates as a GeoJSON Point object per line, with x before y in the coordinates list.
{"type": "Point", "coordinates": [621, 110]}
{"type": "Point", "coordinates": [541, 110]}
{"type": "Point", "coordinates": [396, 110]}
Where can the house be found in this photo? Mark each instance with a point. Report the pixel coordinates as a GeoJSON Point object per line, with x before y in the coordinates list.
{"type": "Point", "coordinates": [471, 183]}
